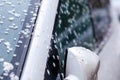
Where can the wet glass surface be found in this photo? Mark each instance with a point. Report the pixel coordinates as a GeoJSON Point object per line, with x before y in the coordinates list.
{"type": "Point", "coordinates": [17, 19]}
{"type": "Point", "coordinates": [73, 27]}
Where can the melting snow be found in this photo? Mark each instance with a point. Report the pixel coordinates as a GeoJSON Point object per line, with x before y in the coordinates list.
{"type": "Point", "coordinates": [26, 32]}
{"type": "Point", "coordinates": [20, 42]}
{"type": "Point", "coordinates": [14, 13]}
{"type": "Point", "coordinates": [11, 18]}
{"type": "Point", "coordinates": [14, 55]}
{"type": "Point", "coordinates": [1, 59]}
{"type": "Point", "coordinates": [17, 63]}
{"type": "Point", "coordinates": [1, 40]}
{"type": "Point", "coordinates": [48, 72]}
{"type": "Point", "coordinates": [13, 26]}
{"type": "Point", "coordinates": [1, 78]}
{"type": "Point", "coordinates": [9, 3]}
{"type": "Point", "coordinates": [7, 67]}
{"type": "Point", "coordinates": [17, 45]}
{"type": "Point", "coordinates": [1, 22]}
{"type": "Point", "coordinates": [13, 77]}
{"type": "Point", "coordinates": [8, 45]}
{"type": "Point", "coordinates": [28, 25]}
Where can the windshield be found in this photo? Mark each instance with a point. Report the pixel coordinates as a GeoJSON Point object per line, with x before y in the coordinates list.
{"type": "Point", "coordinates": [17, 18]}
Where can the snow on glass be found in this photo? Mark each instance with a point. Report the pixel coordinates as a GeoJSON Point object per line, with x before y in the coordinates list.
{"type": "Point", "coordinates": [73, 27]}
{"type": "Point", "coordinates": [12, 17]}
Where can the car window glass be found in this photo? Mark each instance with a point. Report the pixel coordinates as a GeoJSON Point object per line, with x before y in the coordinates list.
{"type": "Point", "coordinates": [73, 27]}
{"type": "Point", "coordinates": [17, 18]}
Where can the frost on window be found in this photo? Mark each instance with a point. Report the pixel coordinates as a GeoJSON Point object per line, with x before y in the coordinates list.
{"type": "Point", "coordinates": [73, 26]}
{"type": "Point", "coordinates": [17, 19]}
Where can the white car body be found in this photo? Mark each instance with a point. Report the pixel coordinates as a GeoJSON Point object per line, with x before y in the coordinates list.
{"type": "Point", "coordinates": [37, 56]}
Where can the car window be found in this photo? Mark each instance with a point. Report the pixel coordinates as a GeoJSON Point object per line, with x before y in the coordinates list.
{"type": "Point", "coordinates": [73, 27]}
{"type": "Point", "coordinates": [17, 19]}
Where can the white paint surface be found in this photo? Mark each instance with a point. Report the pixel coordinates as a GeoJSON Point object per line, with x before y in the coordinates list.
{"type": "Point", "coordinates": [36, 60]}
{"type": "Point", "coordinates": [81, 63]}
{"type": "Point", "coordinates": [110, 55]}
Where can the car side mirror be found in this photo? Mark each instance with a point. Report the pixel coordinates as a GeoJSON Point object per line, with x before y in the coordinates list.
{"type": "Point", "coordinates": [81, 64]}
